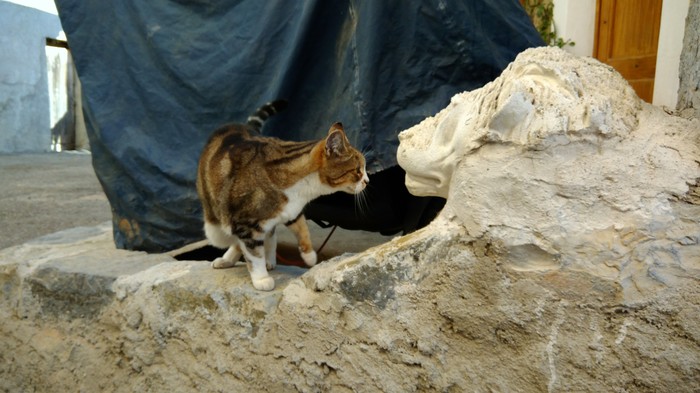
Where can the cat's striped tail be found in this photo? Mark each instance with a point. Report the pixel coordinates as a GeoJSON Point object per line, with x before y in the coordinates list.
{"type": "Point", "coordinates": [257, 119]}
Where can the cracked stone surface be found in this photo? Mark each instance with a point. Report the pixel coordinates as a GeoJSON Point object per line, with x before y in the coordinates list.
{"type": "Point", "coordinates": [566, 259]}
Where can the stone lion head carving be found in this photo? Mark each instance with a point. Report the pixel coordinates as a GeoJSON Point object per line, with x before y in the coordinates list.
{"type": "Point", "coordinates": [560, 163]}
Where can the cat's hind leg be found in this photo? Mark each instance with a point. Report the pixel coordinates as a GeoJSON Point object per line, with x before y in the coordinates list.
{"type": "Point", "coordinates": [254, 252]}
{"type": "Point", "coordinates": [221, 238]}
{"type": "Point", "coordinates": [301, 231]}
{"type": "Point", "coordinates": [271, 249]}
{"type": "Point", "coordinates": [229, 259]}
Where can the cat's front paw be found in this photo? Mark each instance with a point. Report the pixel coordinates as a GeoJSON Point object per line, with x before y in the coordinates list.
{"type": "Point", "coordinates": [309, 258]}
{"type": "Point", "coordinates": [264, 283]}
{"type": "Point", "coordinates": [221, 263]}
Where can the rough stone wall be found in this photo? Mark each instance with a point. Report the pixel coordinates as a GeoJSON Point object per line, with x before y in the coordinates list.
{"type": "Point", "coordinates": [523, 283]}
{"type": "Point", "coordinates": [689, 69]}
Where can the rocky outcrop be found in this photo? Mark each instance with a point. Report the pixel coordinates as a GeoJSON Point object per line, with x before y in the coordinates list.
{"type": "Point", "coordinates": [566, 259]}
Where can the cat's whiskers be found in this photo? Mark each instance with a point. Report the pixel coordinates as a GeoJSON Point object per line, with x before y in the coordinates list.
{"type": "Point", "coordinates": [361, 202]}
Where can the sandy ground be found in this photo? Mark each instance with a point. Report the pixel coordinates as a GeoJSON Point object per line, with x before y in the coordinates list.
{"type": "Point", "coordinates": [46, 193]}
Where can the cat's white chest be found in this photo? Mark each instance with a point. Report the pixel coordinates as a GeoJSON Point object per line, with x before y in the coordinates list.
{"type": "Point", "coordinates": [301, 193]}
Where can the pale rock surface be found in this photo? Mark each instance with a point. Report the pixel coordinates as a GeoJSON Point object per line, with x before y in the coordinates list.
{"type": "Point", "coordinates": [559, 163]}
{"type": "Point", "coordinates": [566, 259]}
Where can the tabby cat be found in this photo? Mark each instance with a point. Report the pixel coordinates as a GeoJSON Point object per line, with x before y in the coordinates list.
{"type": "Point", "coordinates": [248, 184]}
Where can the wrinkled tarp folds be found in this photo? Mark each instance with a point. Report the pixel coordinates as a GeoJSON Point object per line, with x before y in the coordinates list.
{"type": "Point", "coordinates": [158, 76]}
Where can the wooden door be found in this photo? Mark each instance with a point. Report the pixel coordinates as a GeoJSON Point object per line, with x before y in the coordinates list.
{"type": "Point", "coordinates": [627, 38]}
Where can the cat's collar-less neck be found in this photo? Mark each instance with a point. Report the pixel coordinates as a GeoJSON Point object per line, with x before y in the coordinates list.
{"type": "Point", "coordinates": [302, 192]}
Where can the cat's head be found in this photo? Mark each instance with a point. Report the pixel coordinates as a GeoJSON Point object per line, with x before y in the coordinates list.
{"type": "Point", "coordinates": [343, 166]}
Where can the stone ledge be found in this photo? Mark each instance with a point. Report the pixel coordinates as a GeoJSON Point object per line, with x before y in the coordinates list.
{"type": "Point", "coordinates": [77, 272]}
{"type": "Point", "coordinates": [432, 311]}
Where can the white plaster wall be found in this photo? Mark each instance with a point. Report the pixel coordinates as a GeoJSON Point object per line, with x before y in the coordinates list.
{"type": "Point", "coordinates": [47, 6]}
{"type": "Point", "coordinates": [24, 96]}
{"type": "Point", "coordinates": [673, 15]}
{"type": "Point", "coordinates": [575, 20]}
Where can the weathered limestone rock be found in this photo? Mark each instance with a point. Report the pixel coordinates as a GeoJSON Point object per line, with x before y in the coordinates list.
{"type": "Point", "coordinates": [561, 165]}
{"type": "Point", "coordinates": [566, 259]}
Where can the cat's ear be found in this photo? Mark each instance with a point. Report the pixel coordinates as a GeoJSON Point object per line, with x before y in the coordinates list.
{"type": "Point", "coordinates": [336, 142]}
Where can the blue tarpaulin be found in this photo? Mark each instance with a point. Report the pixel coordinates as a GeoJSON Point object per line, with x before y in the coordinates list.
{"type": "Point", "coordinates": [158, 76]}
